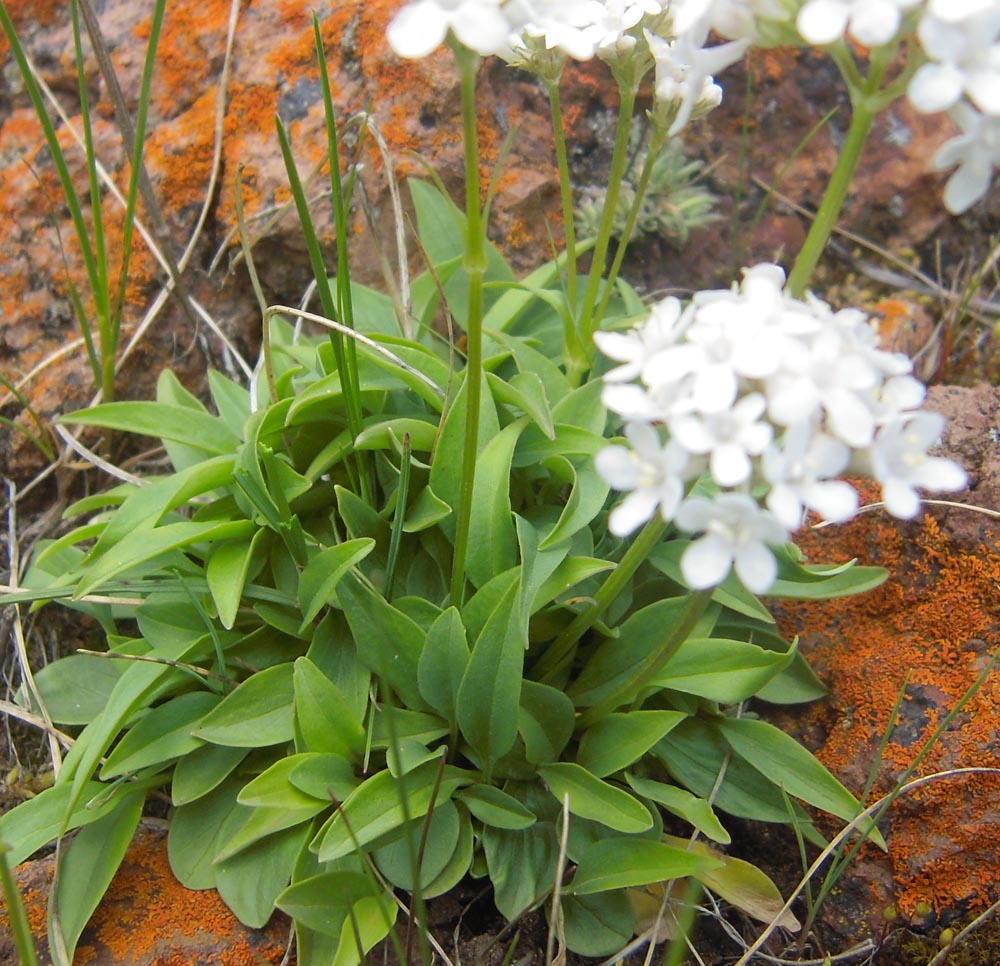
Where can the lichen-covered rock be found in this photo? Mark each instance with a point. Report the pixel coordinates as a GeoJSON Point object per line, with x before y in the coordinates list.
{"type": "Point", "coordinates": [148, 919]}
{"type": "Point", "coordinates": [928, 633]}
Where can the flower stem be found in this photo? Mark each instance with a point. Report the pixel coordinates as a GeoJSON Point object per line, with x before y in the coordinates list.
{"type": "Point", "coordinates": [574, 357]}
{"type": "Point", "coordinates": [619, 162]}
{"type": "Point", "coordinates": [676, 636]}
{"type": "Point", "coordinates": [560, 651]}
{"type": "Point", "coordinates": [475, 267]}
{"type": "Point", "coordinates": [655, 146]}
{"type": "Point", "coordinates": [866, 105]}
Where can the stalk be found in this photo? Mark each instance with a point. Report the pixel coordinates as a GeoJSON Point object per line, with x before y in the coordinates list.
{"type": "Point", "coordinates": [866, 105]}
{"type": "Point", "coordinates": [475, 267]}
{"type": "Point", "coordinates": [619, 162]}
{"type": "Point", "coordinates": [561, 650]}
{"type": "Point", "coordinates": [574, 355]}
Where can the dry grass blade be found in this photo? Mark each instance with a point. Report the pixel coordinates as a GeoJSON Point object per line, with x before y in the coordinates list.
{"type": "Point", "coordinates": [91, 457]}
{"type": "Point", "coordinates": [21, 649]}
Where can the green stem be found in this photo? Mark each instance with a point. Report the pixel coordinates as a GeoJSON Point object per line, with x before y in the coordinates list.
{"type": "Point", "coordinates": [575, 360]}
{"type": "Point", "coordinates": [676, 636]}
{"type": "Point", "coordinates": [619, 163]}
{"type": "Point", "coordinates": [866, 105]}
{"type": "Point", "coordinates": [475, 267]}
{"type": "Point", "coordinates": [655, 146]}
{"type": "Point", "coordinates": [560, 651]}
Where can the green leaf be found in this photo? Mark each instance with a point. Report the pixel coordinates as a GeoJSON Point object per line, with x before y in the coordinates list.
{"type": "Point", "coordinates": [493, 807]}
{"type": "Point", "coordinates": [619, 739]}
{"type": "Point", "coordinates": [442, 664]}
{"type": "Point", "coordinates": [586, 499]}
{"type": "Point", "coordinates": [143, 546]}
{"type": "Point", "coordinates": [620, 863]}
{"type": "Point", "coordinates": [89, 864]}
{"type": "Point", "coordinates": [446, 467]}
{"type": "Point", "coordinates": [231, 400]}
{"type": "Point", "coordinates": [389, 642]}
{"type": "Point", "coordinates": [389, 434]}
{"type": "Point", "coordinates": [40, 820]}
{"type": "Point", "coordinates": [181, 424]}
{"type": "Point", "coordinates": [525, 392]}
{"type": "Point", "coordinates": [545, 720]}
{"type": "Point", "coordinates": [320, 577]}
{"type": "Point", "coordinates": [522, 865]}
{"type": "Point", "coordinates": [598, 925]}
{"type": "Point", "coordinates": [370, 922]}
{"type": "Point", "coordinates": [440, 839]}
{"type": "Point", "coordinates": [324, 776]}
{"type": "Point", "coordinates": [256, 714]}
{"type": "Point", "coordinates": [226, 573]}
{"type": "Point", "coordinates": [492, 540]}
{"type": "Point", "coordinates": [589, 797]}
{"type": "Point", "coordinates": [75, 689]}
{"type": "Point", "coordinates": [614, 662]}
{"type": "Point", "coordinates": [583, 409]}
{"type": "Point", "coordinates": [796, 582]}
{"type": "Point", "coordinates": [323, 902]}
{"type": "Point", "coordinates": [203, 770]}
{"type": "Point", "coordinates": [252, 880]}
{"type": "Point", "coordinates": [680, 802]}
{"type": "Point", "coordinates": [721, 670]}
{"type": "Point", "coordinates": [162, 735]}
{"type": "Point", "coordinates": [196, 833]}
{"type": "Point", "coordinates": [458, 864]}
{"type": "Point", "coordinates": [324, 717]}
{"type": "Point", "coordinates": [273, 787]}
{"type": "Point", "coordinates": [489, 694]}
{"type": "Point", "coordinates": [376, 807]}
{"type": "Point", "coordinates": [786, 763]}
{"type": "Point", "coordinates": [249, 826]}
{"type": "Point", "coordinates": [697, 755]}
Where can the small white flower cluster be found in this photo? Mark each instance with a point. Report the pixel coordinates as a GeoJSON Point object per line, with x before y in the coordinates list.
{"type": "Point", "coordinates": [962, 76]}
{"type": "Point", "coordinates": [961, 39]}
{"type": "Point", "coordinates": [534, 33]}
{"type": "Point", "coordinates": [773, 398]}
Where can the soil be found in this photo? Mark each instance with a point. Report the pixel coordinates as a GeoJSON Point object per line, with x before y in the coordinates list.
{"type": "Point", "coordinates": [938, 621]}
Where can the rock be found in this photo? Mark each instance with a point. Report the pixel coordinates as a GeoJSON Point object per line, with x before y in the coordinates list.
{"type": "Point", "coordinates": [972, 438]}
{"type": "Point", "coordinates": [148, 919]}
{"type": "Point", "coordinates": [929, 633]}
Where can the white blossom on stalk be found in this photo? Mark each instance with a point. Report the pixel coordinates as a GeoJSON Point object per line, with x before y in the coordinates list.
{"type": "Point", "coordinates": [736, 533]}
{"type": "Point", "coordinates": [421, 27]}
{"type": "Point", "coordinates": [685, 86]}
{"type": "Point", "coordinates": [729, 438]}
{"type": "Point", "coordinates": [800, 472]}
{"type": "Point", "coordinates": [660, 330]}
{"type": "Point", "coordinates": [900, 463]}
{"type": "Point", "coordinates": [976, 151]}
{"type": "Point", "coordinates": [871, 22]}
{"type": "Point", "coordinates": [651, 470]}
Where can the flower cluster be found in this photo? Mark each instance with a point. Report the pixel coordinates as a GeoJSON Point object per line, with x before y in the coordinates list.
{"type": "Point", "coordinates": [961, 42]}
{"type": "Point", "coordinates": [540, 35]}
{"type": "Point", "coordinates": [762, 400]}
{"type": "Point", "coordinates": [962, 76]}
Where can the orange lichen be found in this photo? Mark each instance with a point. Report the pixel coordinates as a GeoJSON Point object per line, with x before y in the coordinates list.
{"type": "Point", "coordinates": [146, 916]}
{"type": "Point", "coordinates": [934, 620]}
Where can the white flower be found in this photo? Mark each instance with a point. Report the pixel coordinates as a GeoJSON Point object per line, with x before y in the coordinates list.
{"type": "Point", "coordinates": [736, 532]}
{"type": "Point", "coordinates": [608, 24]}
{"type": "Point", "coordinates": [654, 473]}
{"type": "Point", "coordinates": [660, 330]}
{"type": "Point", "coordinates": [422, 26]}
{"type": "Point", "coordinates": [730, 438]}
{"type": "Point", "coordinates": [800, 472]}
{"type": "Point", "coordinates": [556, 22]}
{"type": "Point", "coordinates": [900, 463]}
{"type": "Point", "coordinates": [976, 151]}
{"type": "Point", "coordinates": [684, 76]}
{"type": "Point", "coordinates": [871, 22]}
{"type": "Point", "coordinates": [964, 59]}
